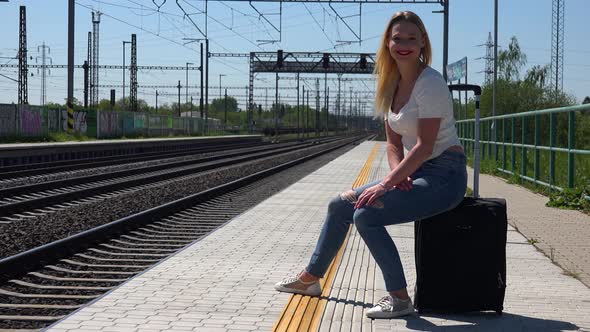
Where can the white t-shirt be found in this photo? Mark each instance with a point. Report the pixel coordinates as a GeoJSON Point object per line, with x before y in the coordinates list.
{"type": "Point", "coordinates": [430, 98]}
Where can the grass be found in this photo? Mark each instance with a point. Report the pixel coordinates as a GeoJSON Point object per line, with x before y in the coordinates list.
{"type": "Point", "coordinates": [573, 274]}
{"type": "Point", "coordinates": [51, 137]}
{"type": "Point", "coordinates": [567, 199]}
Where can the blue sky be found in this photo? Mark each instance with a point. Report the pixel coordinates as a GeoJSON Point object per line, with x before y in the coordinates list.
{"type": "Point", "coordinates": [235, 27]}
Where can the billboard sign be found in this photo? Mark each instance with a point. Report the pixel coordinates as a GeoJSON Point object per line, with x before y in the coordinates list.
{"type": "Point", "coordinates": [457, 70]}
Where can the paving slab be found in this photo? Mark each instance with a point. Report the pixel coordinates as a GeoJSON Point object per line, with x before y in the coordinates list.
{"type": "Point", "coordinates": [224, 282]}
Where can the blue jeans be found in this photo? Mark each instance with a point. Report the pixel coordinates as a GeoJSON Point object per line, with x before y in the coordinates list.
{"type": "Point", "coordinates": [438, 185]}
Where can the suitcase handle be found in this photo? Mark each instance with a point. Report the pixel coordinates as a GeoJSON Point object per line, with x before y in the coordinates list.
{"type": "Point", "coordinates": [466, 87]}
{"type": "Point", "coordinates": [477, 91]}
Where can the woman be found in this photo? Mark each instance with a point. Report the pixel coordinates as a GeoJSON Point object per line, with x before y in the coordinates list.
{"type": "Point", "coordinates": [429, 179]}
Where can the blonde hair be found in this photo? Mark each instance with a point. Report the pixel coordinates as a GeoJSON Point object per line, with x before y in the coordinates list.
{"type": "Point", "coordinates": [385, 66]}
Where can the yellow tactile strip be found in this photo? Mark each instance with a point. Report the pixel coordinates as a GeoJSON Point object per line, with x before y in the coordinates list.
{"type": "Point", "coordinates": [303, 313]}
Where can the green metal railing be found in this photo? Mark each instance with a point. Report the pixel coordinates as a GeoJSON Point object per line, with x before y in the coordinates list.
{"type": "Point", "coordinates": [503, 149]}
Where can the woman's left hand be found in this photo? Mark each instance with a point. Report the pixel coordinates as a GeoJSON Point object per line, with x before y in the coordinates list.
{"type": "Point", "coordinates": [369, 196]}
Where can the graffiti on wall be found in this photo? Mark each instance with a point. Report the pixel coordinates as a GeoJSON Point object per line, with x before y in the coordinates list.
{"type": "Point", "coordinates": [31, 121]}
{"type": "Point", "coordinates": [109, 124]}
{"type": "Point", "coordinates": [80, 121]}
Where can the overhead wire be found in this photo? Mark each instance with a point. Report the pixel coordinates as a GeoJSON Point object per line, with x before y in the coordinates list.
{"type": "Point", "coordinates": [150, 32]}
{"type": "Point", "coordinates": [324, 32]}
{"type": "Point", "coordinates": [225, 26]}
{"type": "Point", "coordinates": [143, 7]}
{"type": "Point", "coordinates": [102, 2]}
{"type": "Point", "coordinates": [171, 18]}
{"type": "Point", "coordinates": [137, 27]}
{"type": "Point", "coordinates": [248, 16]}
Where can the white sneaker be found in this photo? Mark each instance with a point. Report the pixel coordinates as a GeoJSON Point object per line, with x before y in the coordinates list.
{"type": "Point", "coordinates": [297, 286]}
{"type": "Point", "coordinates": [390, 307]}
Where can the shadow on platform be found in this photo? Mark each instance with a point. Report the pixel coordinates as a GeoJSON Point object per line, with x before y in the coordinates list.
{"type": "Point", "coordinates": [487, 321]}
{"type": "Point", "coordinates": [476, 321]}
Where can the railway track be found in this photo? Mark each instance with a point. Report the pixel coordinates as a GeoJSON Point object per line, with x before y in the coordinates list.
{"type": "Point", "coordinates": [42, 285]}
{"type": "Point", "coordinates": [33, 200]}
{"type": "Point", "coordinates": [8, 173]}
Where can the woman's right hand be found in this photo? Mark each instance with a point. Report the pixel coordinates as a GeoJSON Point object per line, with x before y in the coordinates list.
{"type": "Point", "coordinates": [405, 185]}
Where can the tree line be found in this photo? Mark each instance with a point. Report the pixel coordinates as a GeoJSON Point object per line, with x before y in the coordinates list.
{"type": "Point", "coordinates": [517, 92]}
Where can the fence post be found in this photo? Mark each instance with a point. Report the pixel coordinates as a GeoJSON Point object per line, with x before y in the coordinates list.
{"type": "Point", "coordinates": [483, 138]}
{"type": "Point", "coordinates": [537, 130]}
{"type": "Point", "coordinates": [571, 145]}
{"type": "Point", "coordinates": [495, 140]}
{"type": "Point", "coordinates": [551, 152]}
{"type": "Point", "coordinates": [473, 136]}
{"type": "Point", "coordinates": [490, 138]}
{"type": "Point", "coordinates": [513, 159]}
{"type": "Point", "coordinates": [523, 159]}
{"type": "Point", "coordinates": [504, 143]}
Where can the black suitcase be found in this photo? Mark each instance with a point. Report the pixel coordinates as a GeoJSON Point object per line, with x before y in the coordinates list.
{"type": "Point", "coordinates": [461, 253]}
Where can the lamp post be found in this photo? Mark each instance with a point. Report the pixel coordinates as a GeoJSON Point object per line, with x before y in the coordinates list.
{"type": "Point", "coordinates": [494, 86]}
{"type": "Point", "coordinates": [225, 111]}
{"type": "Point", "coordinates": [124, 42]}
{"type": "Point", "coordinates": [186, 82]}
{"type": "Point", "coordinates": [220, 84]}
{"type": "Point", "coordinates": [206, 69]}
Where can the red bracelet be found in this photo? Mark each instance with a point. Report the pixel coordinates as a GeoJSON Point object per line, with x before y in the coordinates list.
{"type": "Point", "coordinates": [383, 185]}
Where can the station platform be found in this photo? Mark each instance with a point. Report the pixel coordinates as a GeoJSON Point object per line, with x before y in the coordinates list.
{"type": "Point", "coordinates": [224, 282]}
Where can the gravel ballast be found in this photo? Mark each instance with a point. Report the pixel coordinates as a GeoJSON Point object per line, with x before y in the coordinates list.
{"type": "Point", "coordinates": [33, 232]}
{"type": "Point", "coordinates": [10, 183]}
